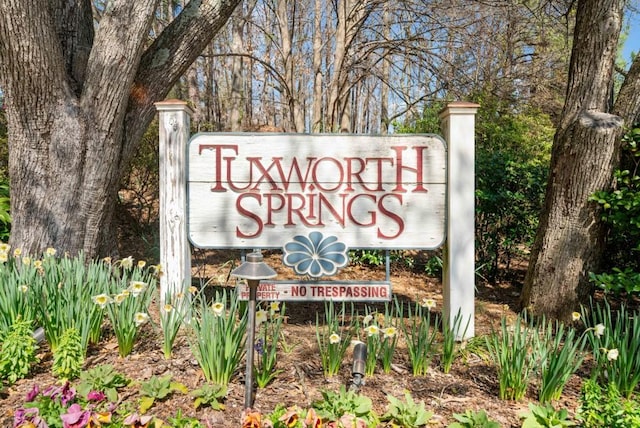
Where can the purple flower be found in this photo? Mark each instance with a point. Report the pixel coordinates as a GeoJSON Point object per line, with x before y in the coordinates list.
{"type": "Point", "coordinates": [75, 417]}
{"type": "Point", "coordinates": [64, 392]}
{"type": "Point", "coordinates": [28, 417]}
{"type": "Point", "coordinates": [31, 395]}
{"type": "Point", "coordinates": [259, 347]}
{"type": "Point", "coordinates": [96, 396]}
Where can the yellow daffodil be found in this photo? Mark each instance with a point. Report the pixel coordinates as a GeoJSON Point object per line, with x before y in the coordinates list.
{"type": "Point", "coordinates": [4, 247]}
{"type": "Point", "coordinates": [50, 252]}
{"type": "Point", "coordinates": [17, 252]}
{"type": "Point", "coordinates": [119, 298]}
{"type": "Point", "coordinates": [107, 260]}
{"type": "Point", "coordinates": [167, 308]}
{"type": "Point", "coordinates": [4, 257]}
{"type": "Point", "coordinates": [193, 290]}
{"type": "Point", "coordinates": [37, 264]}
{"type": "Point", "coordinates": [26, 261]}
{"type": "Point", "coordinates": [575, 316]}
{"type": "Point", "coordinates": [141, 264]}
{"type": "Point", "coordinates": [274, 306]}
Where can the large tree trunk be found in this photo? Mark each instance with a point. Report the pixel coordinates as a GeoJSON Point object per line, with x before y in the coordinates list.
{"type": "Point", "coordinates": [75, 121]}
{"type": "Point", "coordinates": [570, 237]}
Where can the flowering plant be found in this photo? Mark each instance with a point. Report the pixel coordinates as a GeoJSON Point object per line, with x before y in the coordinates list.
{"type": "Point", "coordinates": [267, 344]}
{"type": "Point", "coordinates": [334, 337]}
{"type": "Point", "coordinates": [419, 335]}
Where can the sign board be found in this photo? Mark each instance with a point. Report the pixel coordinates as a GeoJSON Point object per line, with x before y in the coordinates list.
{"type": "Point", "coordinates": [259, 190]}
{"type": "Point", "coordinates": [366, 291]}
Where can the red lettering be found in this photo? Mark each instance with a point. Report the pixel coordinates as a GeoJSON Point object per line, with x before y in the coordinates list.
{"type": "Point", "coordinates": [248, 214]}
{"type": "Point", "coordinates": [393, 216]}
{"type": "Point", "coordinates": [217, 148]}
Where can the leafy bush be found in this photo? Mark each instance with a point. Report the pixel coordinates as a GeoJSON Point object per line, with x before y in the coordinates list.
{"type": "Point", "coordinates": [345, 406]}
{"type": "Point", "coordinates": [471, 419]}
{"type": "Point", "coordinates": [546, 417]}
{"type": "Point", "coordinates": [18, 352]}
{"type": "Point", "coordinates": [621, 211]}
{"type": "Point", "coordinates": [605, 407]}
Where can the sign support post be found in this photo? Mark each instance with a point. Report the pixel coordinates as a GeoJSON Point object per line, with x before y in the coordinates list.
{"type": "Point", "coordinates": [175, 253]}
{"type": "Point", "coordinates": [458, 126]}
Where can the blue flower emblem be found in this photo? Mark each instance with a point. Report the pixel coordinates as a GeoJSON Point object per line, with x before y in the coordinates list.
{"type": "Point", "coordinates": [315, 255]}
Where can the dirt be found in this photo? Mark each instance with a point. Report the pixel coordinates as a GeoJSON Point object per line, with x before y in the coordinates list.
{"type": "Point", "coordinates": [471, 384]}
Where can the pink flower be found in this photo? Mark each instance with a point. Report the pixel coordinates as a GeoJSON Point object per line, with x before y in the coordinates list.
{"type": "Point", "coordinates": [75, 417]}
{"type": "Point", "coordinates": [31, 395]}
{"type": "Point", "coordinates": [96, 396]}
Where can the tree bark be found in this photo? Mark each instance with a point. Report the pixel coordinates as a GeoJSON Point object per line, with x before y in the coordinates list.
{"type": "Point", "coordinates": [570, 236]}
{"type": "Point", "coordinates": [75, 122]}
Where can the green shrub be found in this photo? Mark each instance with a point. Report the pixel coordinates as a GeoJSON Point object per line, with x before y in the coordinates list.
{"type": "Point", "coordinates": [606, 407]}
{"type": "Point", "coordinates": [18, 352]}
{"type": "Point", "coordinates": [471, 419]}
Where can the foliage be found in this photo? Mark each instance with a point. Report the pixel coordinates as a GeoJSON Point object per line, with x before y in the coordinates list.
{"type": "Point", "coordinates": [449, 334]}
{"type": "Point", "coordinates": [546, 416]}
{"type": "Point", "coordinates": [419, 335]}
{"type": "Point", "coordinates": [68, 357]}
{"type": "Point", "coordinates": [621, 211]}
{"type": "Point", "coordinates": [606, 407]}
{"type": "Point", "coordinates": [614, 339]}
{"type": "Point", "coordinates": [407, 413]}
{"type": "Point", "coordinates": [219, 337]}
{"type": "Point", "coordinates": [559, 355]}
{"type": "Point", "coordinates": [103, 378]}
{"type": "Point", "coordinates": [5, 216]}
{"type": "Point", "coordinates": [367, 257]}
{"type": "Point", "coordinates": [510, 350]}
{"type": "Point", "coordinates": [471, 419]}
{"type": "Point", "coordinates": [17, 299]}
{"type": "Point", "coordinates": [158, 388]}
{"type": "Point", "coordinates": [18, 352]}
{"type": "Point", "coordinates": [209, 394]}
{"type": "Point", "coordinates": [127, 309]}
{"type": "Point", "coordinates": [269, 325]}
{"type": "Point", "coordinates": [372, 340]}
{"type": "Point", "coordinates": [334, 406]}
{"type": "Point", "coordinates": [512, 161]}
{"type": "Point", "coordinates": [389, 339]}
{"type": "Point", "coordinates": [173, 310]}
{"type": "Point", "coordinates": [334, 336]}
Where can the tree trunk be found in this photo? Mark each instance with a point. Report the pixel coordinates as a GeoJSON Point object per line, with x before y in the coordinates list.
{"type": "Point", "coordinates": [74, 123]}
{"type": "Point", "coordinates": [316, 114]}
{"type": "Point", "coordinates": [570, 236]}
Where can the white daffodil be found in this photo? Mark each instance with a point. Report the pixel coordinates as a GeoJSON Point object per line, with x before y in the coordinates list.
{"type": "Point", "coordinates": [612, 354]}
{"type": "Point", "coordinates": [50, 252]}
{"type": "Point", "coordinates": [274, 306]}
{"type": "Point", "coordinates": [140, 318]}
{"type": "Point", "coordinates": [101, 300]}
{"type": "Point", "coordinates": [24, 288]}
{"type": "Point", "coordinates": [334, 338]}
{"type": "Point", "coordinates": [127, 263]}
{"type": "Point", "coordinates": [218, 308]}
{"type": "Point", "coordinates": [367, 319]}
{"type": "Point", "coordinates": [167, 308]}
{"type": "Point", "coordinates": [119, 298]}
{"type": "Point", "coordinates": [389, 332]}
{"type": "Point", "coordinates": [372, 330]}
{"type": "Point", "coordinates": [598, 330]}
{"type": "Point", "coordinates": [428, 303]}
{"type": "Point", "coordinates": [261, 316]}
{"type": "Point", "coordinates": [141, 264]}
{"type": "Point", "coordinates": [137, 287]}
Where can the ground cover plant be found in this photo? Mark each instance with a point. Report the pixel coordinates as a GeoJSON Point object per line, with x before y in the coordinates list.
{"type": "Point", "coordinates": [200, 382]}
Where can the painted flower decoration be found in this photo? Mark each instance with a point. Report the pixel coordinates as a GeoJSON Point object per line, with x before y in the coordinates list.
{"type": "Point", "coordinates": [315, 255]}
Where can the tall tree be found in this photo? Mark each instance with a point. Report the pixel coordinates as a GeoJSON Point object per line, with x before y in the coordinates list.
{"type": "Point", "coordinates": [569, 241]}
{"type": "Point", "coordinates": [75, 121]}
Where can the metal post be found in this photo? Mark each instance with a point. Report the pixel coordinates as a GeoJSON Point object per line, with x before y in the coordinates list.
{"type": "Point", "coordinates": [251, 334]}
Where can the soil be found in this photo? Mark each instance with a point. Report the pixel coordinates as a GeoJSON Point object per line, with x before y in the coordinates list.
{"type": "Point", "coordinates": [471, 384]}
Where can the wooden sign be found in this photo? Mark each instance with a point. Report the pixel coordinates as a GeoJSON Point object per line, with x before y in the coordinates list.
{"type": "Point", "coordinates": [262, 190]}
